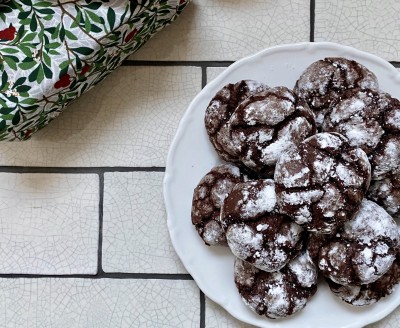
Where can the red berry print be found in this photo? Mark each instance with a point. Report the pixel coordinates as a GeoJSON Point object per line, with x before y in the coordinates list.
{"type": "Point", "coordinates": [85, 69]}
{"type": "Point", "coordinates": [130, 36]}
{"type": "Point", "coordinates": [63, 82]}
{"type": "Point", "coordinates": [8, 33]}
{"type": "Point", "coordinates": [28, 133]}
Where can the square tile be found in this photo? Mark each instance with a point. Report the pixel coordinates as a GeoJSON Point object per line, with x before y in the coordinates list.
{"type": "Point", "coordinates": [229, 30]}
{"type": "Point", "coordinates": [127, 120]}
{"type": "Point", "coordinates": [213, 72]}
{"type": "Point", "coordinates": [93, 303]}
{"type": "Point", "coordinates": [369, 26]}
{"type": "Point", "coordinates": [135, 234]}
{"type": "Point", "coordinates": [49, 223]}
{"type": "Point", "coordinates": [217, 317]}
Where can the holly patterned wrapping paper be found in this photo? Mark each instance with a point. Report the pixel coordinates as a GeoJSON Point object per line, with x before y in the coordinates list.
{"type": "Point", "coordinates": [51, 52]}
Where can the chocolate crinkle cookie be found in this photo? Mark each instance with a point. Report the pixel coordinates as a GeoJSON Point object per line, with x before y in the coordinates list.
{"type": "Point", "coordinates": [314, 241]}
{"type": "Point", "coordinates": [220, 110]}
{"type": "Point", "coordinates": [277, 294]}
{"type": "Point", "coordinates": [255, 232]}
{"type": "Point", "coordinates": [361, 295]}
{"type": "Point", "coordinates": [322, 182]}
{"type": "Point", "coordinates": [386, 193]}
{"type": "Point", "coordinates": [369, 119]}
{"type": "Point", "coordinates": [325, 80]}
{"type": "Point", "coordinates": [267, 123]}
{"type": "Point", "coordinates": [363, 250]}
{"type": "Point", "coordinates": [208, 198]}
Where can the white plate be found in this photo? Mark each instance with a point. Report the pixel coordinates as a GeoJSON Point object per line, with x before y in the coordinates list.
{"type": "Point", "coordinates": [191, 156]}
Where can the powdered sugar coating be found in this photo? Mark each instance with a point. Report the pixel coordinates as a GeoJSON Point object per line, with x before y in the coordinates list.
{"type": "Point", "coordinates": [256, 205]}
{"type": "Point", "coordinates": [243, 241]}
{"type": "Point", "coordinates": [255, 232]}
{"type": "Point", "coordinates": [328, 141]}
{"type": "Point", "coordinates": [325, 80]}
{"type": "Point", "coordinates": [386, 160]}
{"type": "Point", "coordinates": [392, 119]}
{"type": "Point", "coordinates": [371, 222]}
{"type": "Point", "coordinates": [321, 182]}
{"type": "Point", "coordinates": [277, 294]}
{"type": "Point", "coordinates": [363, 249]}
{"type": "Point", "coordinates": [370, 119]}
{"type": "Point", "coordinates": [304, 269]}
{"type": "Point", "coordinates": [362, 295]}
{"type": "Point", "coordinates": [386, 193]}
{"type": "Point", "coordinates": [266, 124]}
{"type": "Point", "coordinates": [208, 198]}
{"type": "Point", "coordinates": [220, 110]}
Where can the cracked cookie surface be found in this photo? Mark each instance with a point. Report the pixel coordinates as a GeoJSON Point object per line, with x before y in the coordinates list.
{"type": "Point", "coordinates": [322, 182]}
{"type": "Point", "coordinates": [362, 295]}
{"type": "Point", "coordinates": [280, 293]}
{"type": "Point", "coordinates": [266, 124]}
{"type": "Point", "coordinates": [363, 250]}
{"type": "Point", "coordinates": [255, 231]}
{"type": "Point", "coordinates": [208, 198]}
{"type": "Point", "coordinates": [219, 111]}
{"type": "Point", "coordinates": [369, 119]}
{"type": "Point", "coordinates": [325, 80]}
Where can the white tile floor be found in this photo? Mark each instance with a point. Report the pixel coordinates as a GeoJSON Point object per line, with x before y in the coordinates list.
{"type": "Point", "coordinates": [135, 234]}
{"type": "Point", "coordinates": [129, 120]}
{"type": "Point", "coordinates": [49, 223]}
{"type": "Point", "coordinates": [93, 303]}
{"type": "Point", "coordinates": [109, 149]}
{"type": "Point", "coordinates": [375, 28]}
{"type": "Point", "coordinates": [229, 30]}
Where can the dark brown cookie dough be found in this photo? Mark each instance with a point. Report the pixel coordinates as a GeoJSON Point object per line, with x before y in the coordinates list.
{"type": "Point", "coordinates": [208, 198]}
{"type": "Point", "coordinates": [321, 182]}
{"type": "Point", "coordinates": [386, 193]}
{"type": "Point", "coordinates": [220, 110]}
{"type": "Point", "coordinates": [314, 242]}
{"type": "Point", "coordinates": [369, 119]}
{"type": "Point", "coordinates": [266, 124]}
{"type": "Point", "coordinates": [361, 295]}
{"type": "Point", "coordinates": [277, 294]}
{"type": "Point", "coordinates": [325, 80]}
{"type": "Point", "coordinates": [255, 232]}
{"type": "Point", "coordinates": [363, 250]}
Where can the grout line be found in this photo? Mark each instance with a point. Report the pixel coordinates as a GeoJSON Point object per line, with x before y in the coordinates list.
{"type": "Point", "coordinates": [104, 275]}
{"type": "Point", "coordinates": [101, 211]}
{"type": "Point", "coordinates": [312, 20]}
{"type": "Point", "coordinates": [199, 63]}
{"type": "Point", "coordinates": [202, 310]}
{"type": "Point", "coordinates": [86, 170]}
{"type": "Point", "coordinates": [159, 276]}
{"type": "Point", "coordinates": [205, 64]}
{"type": "Point", "coordinates": [203, 76]}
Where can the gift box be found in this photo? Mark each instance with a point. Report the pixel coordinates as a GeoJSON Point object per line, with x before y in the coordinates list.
{"type": "Point", "coordinates": [53, 51]}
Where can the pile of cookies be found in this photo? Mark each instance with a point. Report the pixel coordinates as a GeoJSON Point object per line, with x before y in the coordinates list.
{"type": "Point", "coordinates": [311, 187]}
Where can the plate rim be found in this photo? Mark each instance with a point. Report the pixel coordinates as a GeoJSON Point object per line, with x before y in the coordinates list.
{"type": "Point", "coordinates": [186, 116]}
